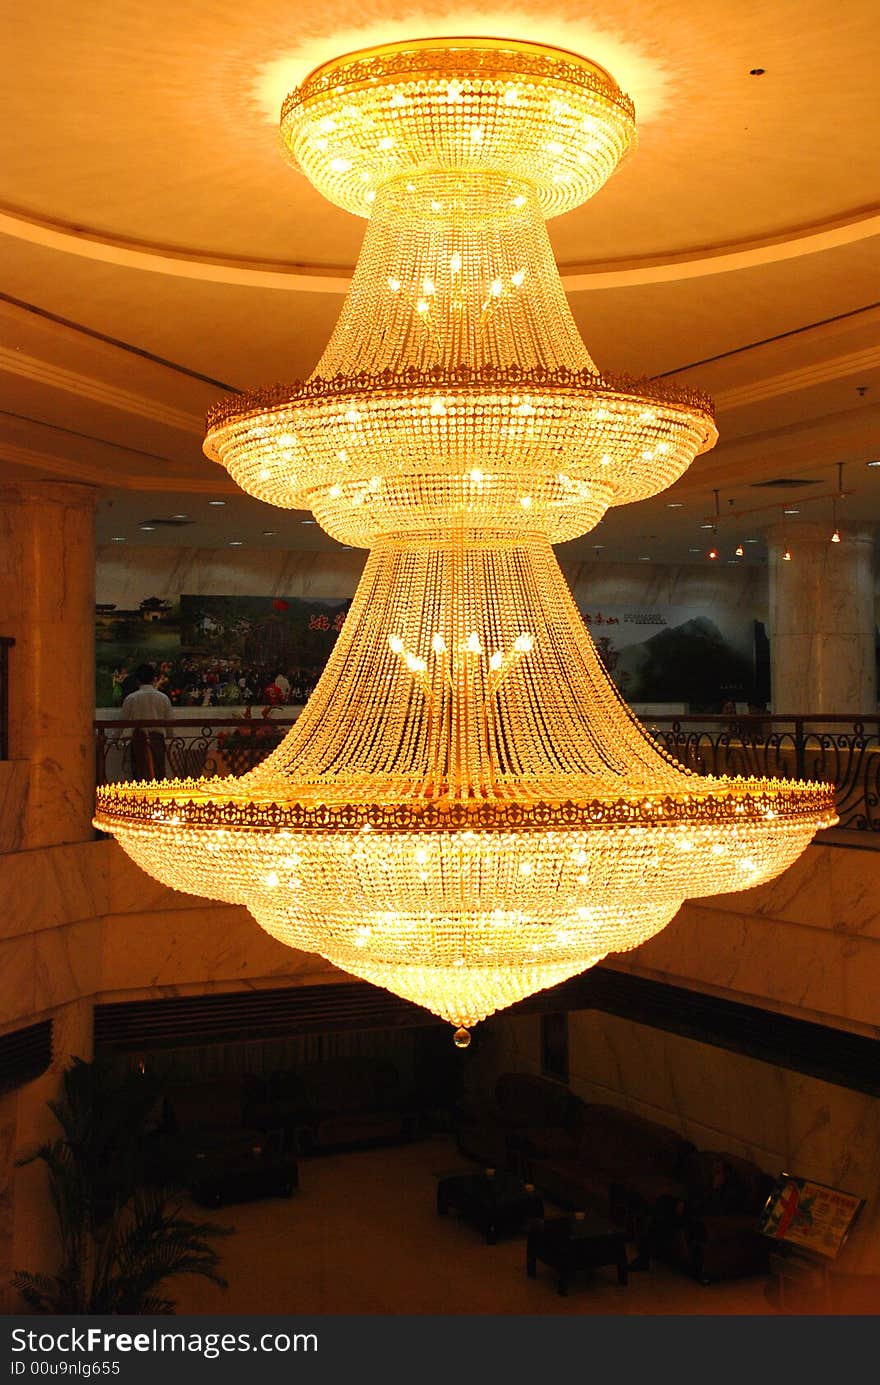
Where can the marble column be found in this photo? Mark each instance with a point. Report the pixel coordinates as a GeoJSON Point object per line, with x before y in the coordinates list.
{"type": "Point", "coordinates": [821, 620]}
{"type": "Point", "coordinates": [47, 604]}
{"type": "Point", "coordinates": [33, 1233]}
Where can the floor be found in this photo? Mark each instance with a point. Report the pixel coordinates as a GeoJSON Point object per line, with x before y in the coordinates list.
{"type": "Point", "coordinates": [362, 1235]}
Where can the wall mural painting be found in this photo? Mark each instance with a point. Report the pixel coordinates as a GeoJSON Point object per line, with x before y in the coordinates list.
{"type": "Point", "coordinates": [216, 651]}
{"type": "Point", "coordinates": [676, 654]}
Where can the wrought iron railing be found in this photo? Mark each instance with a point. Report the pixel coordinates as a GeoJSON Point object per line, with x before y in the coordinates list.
{"type": "Point", "coordinates": [184, 748]}
{"type": "Point", "coordinates": [842, 750]}
{"type": "Point", "coordinates": [6, 643]}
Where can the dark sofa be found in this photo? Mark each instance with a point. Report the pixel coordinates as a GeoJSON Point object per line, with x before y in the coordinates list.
{"type": "Point", "coordinates": [335, 1103]}
{"type": "Point", "coordinates": [613, 1152]}
{"type": "Point", "coordinates": [204, 1144]}
{"type": "Point", "coordinates": [530, 1114]}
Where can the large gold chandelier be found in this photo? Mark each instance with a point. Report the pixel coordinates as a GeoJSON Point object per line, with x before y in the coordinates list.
{"type": "Point", "coordinates": [465, 812]}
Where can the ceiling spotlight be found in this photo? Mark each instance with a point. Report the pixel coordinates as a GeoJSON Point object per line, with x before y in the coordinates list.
{"type": "Point", "coordinates": [118, 538]}
{"type": "Point", "coordinates": [180, 516]}
{"type": "Point", "coordinates": [707, 525]}
{"type": "Point", "coordinates": [751, 540]}
{"type": "Point", "coordinates": [236, 543]}
{"type": "Point", "coordinates": [645, 559]}
{"type": "Point", "coordinates": [786, 557]}
{"type": "Point", "coordinates": [216, 502]}
{"type": "Point", "coordinates": [269, 533]}
{"type": "Point", "coordinates": [713, 554]}
{"type": "Point", "coordinates": [147, 528]}
{"type": "Point", "coordinates": [740, 551]}
{"type": "Point", "coordinates": [308, 521]}
{"type": "Point", "coordinates": [791, 512]}
{"type": "Point", "coordinates": [675, 504]}
{"type": "Point", "coordinates": [835, 537]}
{"type": "Point", "coordinates": [874, 462]}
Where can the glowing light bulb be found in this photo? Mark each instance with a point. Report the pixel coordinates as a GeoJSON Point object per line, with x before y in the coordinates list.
{"type": "Point", "coordinates": [786, 557]}
{"type": "Point", "coordinates": [395, 643]}
{"type": "Point", "coordinates": [835, 537]}
{"type": "Point", "coordinates": [517, 278]}
{"type": "Point", "coordinates": [496, 288]}
{"type": "Point", "coordinates": [740, 551]}
{"type": "Point", "coordinates": [455, 263]}
{"type": "Point", "coordinates": [713, 554]}
{"type": "Point", "coordinates": [523, 644]}
{"type": "Point", "coordinates": [438, 644]}
{"type": "Point", "coordinates": [472, 644]}
{"type": "Point", "coordinates": [496, 660]}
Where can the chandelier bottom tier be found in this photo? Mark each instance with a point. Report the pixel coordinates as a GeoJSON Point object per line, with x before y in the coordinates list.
{"type": "Point", "coordinates": [465, 812]}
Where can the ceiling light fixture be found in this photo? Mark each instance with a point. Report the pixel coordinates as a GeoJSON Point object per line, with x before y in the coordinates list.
{"type": "Point", "coordinates": [216, 502]}
{"type": "Point", "coordinates": [464, 812]}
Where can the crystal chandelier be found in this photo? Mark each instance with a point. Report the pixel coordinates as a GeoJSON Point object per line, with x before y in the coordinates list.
{"type": "Point", "coordinates": [465, 812]}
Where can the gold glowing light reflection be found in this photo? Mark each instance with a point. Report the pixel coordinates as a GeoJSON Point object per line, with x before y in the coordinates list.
{"type": "Point", "coordinates": [465, 812]}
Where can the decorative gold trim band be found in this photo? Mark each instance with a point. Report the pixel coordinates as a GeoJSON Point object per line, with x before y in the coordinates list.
{"type": "Point", "coordinates": [118, 807]}
{"type": "Point", "coordinates": [484, 379]}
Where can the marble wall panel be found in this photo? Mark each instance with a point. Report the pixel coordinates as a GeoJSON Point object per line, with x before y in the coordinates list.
{"type": "Point", "coordinates": [740, 589]}
{"type": "Point", "coordinates": [167, 949]}
{"type": "Point", "coordinates": [53, 886]}
{"type": "Point", "coordinates": [124, 577]}
{"type": "Point", "coordinates": [14, 784]}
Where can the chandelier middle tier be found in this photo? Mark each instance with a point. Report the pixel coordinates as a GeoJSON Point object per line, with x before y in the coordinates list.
{"type": "Point", "coordinates": [465, 812]}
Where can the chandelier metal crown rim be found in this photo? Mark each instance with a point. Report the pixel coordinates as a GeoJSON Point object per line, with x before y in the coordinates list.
{"type": "Point", "coordinates": [369, 66]}
{"type": "Point", "coordinates": [486, 380]}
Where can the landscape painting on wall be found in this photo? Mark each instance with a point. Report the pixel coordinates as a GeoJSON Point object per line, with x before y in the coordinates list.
{"type": "Point", "coordinates": [218, 650]}
{"type": "Point", "coordinates": [676, 654]}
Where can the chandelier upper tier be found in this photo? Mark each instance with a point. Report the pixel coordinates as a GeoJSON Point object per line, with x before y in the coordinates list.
{"type": "Point", "coordinates": [465, 812]}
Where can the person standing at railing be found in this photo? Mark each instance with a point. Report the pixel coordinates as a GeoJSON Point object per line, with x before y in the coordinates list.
{"type": "Point", "coordinates": [147, 704]}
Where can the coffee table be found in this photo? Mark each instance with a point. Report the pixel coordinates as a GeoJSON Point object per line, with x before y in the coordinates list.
{"type": "Point", "coordinates": [572, 1243]}
{"type": "Point", "coordinates": [495, 1203]}
{"type": "Point", "coordinates": [239, 1170]}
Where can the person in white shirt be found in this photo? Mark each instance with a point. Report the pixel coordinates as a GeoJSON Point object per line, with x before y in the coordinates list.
{"type": "Point", "coordinates": [147, 745]}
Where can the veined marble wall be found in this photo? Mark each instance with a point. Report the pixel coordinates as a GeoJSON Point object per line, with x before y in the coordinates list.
{"type": "Point", "coordinates": [123, 575]}
{"type": "Point", "coordinates": [84, 921]}
{"type": "Point", "coordinates": [647, 585]}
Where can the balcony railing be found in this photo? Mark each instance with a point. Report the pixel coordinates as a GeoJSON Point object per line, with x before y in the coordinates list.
{"type": "Point", "coordinates": [840, 749]}
{"type": "Point", "coordinates": [184, 748]}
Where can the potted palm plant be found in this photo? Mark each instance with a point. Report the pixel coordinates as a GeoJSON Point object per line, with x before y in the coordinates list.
{"type": "Point", "coordinates": [122, 1232]}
